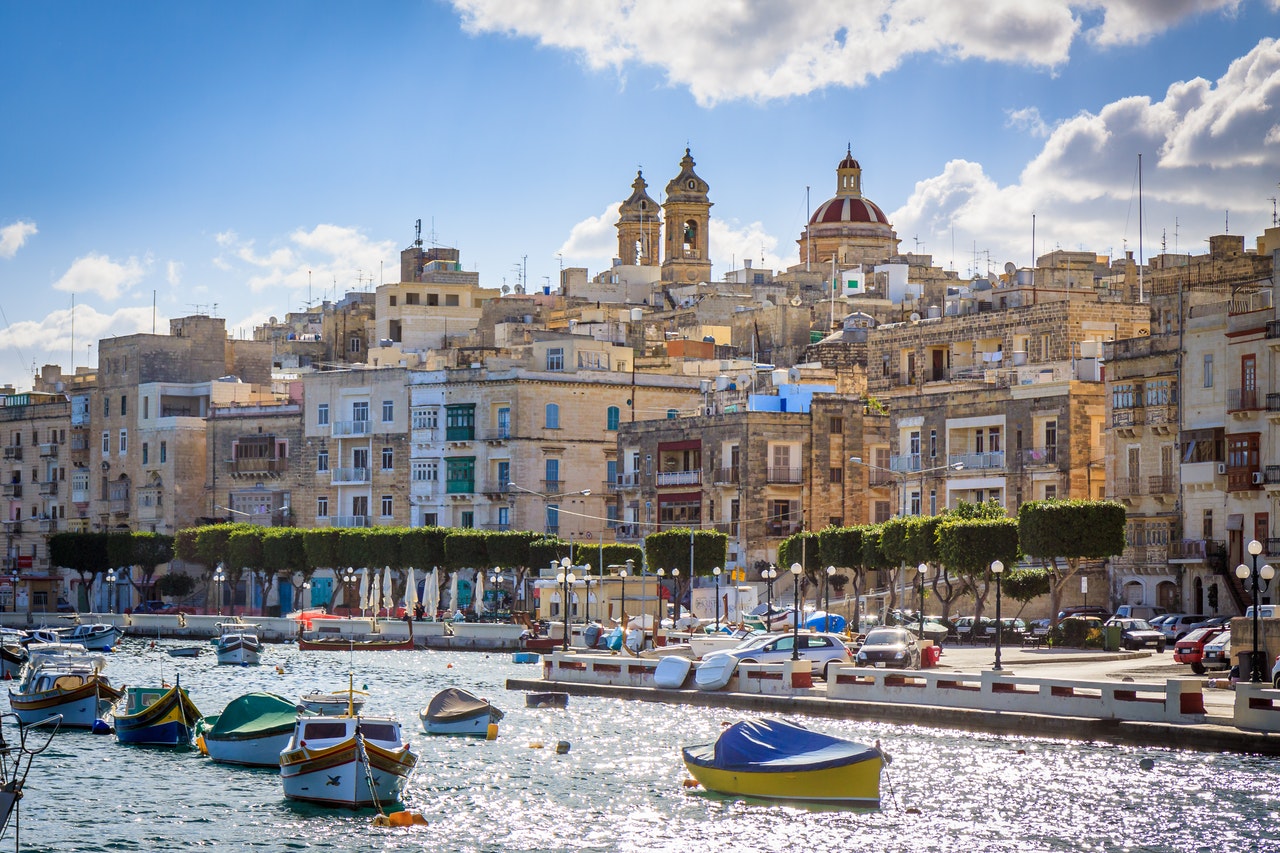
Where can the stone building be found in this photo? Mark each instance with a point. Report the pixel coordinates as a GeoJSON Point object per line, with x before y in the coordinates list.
{"type": "Point", "coordinates": [686, 257]}
{"type": "Point", "coordinates": [848, 229]}
{"type": "Point", "coordinates": [255, 460]}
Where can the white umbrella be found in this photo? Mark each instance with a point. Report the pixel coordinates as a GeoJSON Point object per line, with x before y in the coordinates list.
{"type": "Point", "coordinates": [372, 601]}
{"type": "Point", "coordinates": [453, 591]}
{"type": "Point", "coordinates": [364, 590]}
{"type": "Point", "coordinates": [478, 599]}
{"type": "Point", "coordinates": [431, 594]}
{"type": "Point", "coordinates": [387, 601]}
{"type": "Point", "coordinates": [410, 591]}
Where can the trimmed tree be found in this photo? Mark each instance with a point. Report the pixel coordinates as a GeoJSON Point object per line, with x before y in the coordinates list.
{"type": "Point", "coordinates": [842, 547]}
{"type": "Point", "coordinates": [83, 553]}
{"type": "Point", "coordinates": [150, 550]}
{"type": "Point", "coordinates": [670, 549]}
{"type": "Point", "coordinates": [969, 546]}
{"type": "Point", "coordinates": [1060, 534]}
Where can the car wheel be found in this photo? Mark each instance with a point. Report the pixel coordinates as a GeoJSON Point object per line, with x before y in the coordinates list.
{"type": "Point", "coordinates": [748, 660]}
{"type": "Point", "coordinates": [826, 671]}
{"type": "Point", "coordinates": [1160, 648]}
{"type": "Point", "coordinates": [1198, 668]}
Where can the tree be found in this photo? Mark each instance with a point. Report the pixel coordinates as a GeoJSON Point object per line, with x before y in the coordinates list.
{"type": "Point", "coordinates": [150, 550]}
{"type": "Point", "coordinates": [842, 547]}
{"type": "Point", "coordinates": [83, 553]}
{"type": "Point", "coordinates": [1024, 586]}
{"type": "Point", "coordinates": [803, 548]}
{"type": "Point", "coordinates": [284, 555]}
{"type": "Point", "coordinates": [1071, 531]}
{"type": "Point", "coordinates": [693, 552]}
{"type": "Point", "coordinates": [244, 553]}
{"type": "Point", "coordinates": [969, 546]}
{"type": "Point", "coordinates": [875, 559]}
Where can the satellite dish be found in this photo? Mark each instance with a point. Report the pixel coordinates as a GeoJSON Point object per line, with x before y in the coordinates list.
{"type": "Point", "coordinates": [506, 288]}
{"type": "Point", "coordinates": [796, 301]}
{"type": "Point", "coordinates": [1010, 268]}
{"type": "Point", "coordinates": [915, 318]}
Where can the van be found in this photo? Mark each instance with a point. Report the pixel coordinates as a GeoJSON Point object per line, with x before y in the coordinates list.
{"type": "Point", "coordinates": [1265, 611]}
{"type": "Point", "coordinates": [1139, 611]}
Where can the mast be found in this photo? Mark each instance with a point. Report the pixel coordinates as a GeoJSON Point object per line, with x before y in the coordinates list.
{"type": "Point", "coordinates": [1140, 261]}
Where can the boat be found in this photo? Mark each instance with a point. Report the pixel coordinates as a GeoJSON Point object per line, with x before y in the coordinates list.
{"type": "Point", "coordinates": [346, 760]}
{"type": "Point", "coordinates": [100, 637]}
{"type": "Point", "coordinates": [238, 643]}
{"type": "Point", "coordinates": [775, 760]}
{"type": "Point", "coordinates": [156, 716]}
{"type": "Point", "coordinates": [337, 702]}
{"type": "Point", "coordinates": [66, 679]}
{"type": "Point", "coordinates": [549, 699]}
{"type": "Point", "coordinates": [715, 672]}
{"type": "Point", "coordinates": [454, 711]}
{"type": "Point", "coordinates": [672, 672]}
{"type": "Point", "coordinates": [12, 656]}
{"type": "Point", "coordinates": [350, 644]}
{"type": "Point", "coordinates": [185, 651]}
{"type": "Point", "coordinates": [251, 731]}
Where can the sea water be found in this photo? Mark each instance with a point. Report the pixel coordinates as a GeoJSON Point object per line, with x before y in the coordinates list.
{"type": "Point", "coordinates": [620, 785]}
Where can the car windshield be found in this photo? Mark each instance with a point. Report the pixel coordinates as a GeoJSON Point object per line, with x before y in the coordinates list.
{"type": "Point", "coordinates": [886, 638]}
{"type": "Point", "coordinates": [1195, 636]}
{"type": "Point", "coordinates": [1220, 641]}
{"type": "Point", "coordinates": [1138, 625]}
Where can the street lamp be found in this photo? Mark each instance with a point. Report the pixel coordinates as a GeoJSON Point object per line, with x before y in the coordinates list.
{"type": "Point", "coordinates": [494, 580]}
{"type": "Point", "coordinates": [622, 618]}
{"type": "Point", "coordinates": [219, 576]}
{"type": "Point", "coordinates": [997, 569]}
{"type": "Point", "coordinates": [796, 569]}
{"type": "Point", "coordinates": [657, 610]}
{"type": "Point", "coordinates": [826, 593]}
{"type": "Point", "coordinates": [920, 572]}
{"type": "Point", "coordinates": [111, 589]}
{"type": "Point", "coordinates": [567, 579]}
{"type": "Point", "coordinates": [902, 506]}
{"type": "Point", "coordinates": [716, 574]}
{"type": "Point", "coordinates": [675, 590]}
{"type": "Point", "coordinates": [586, 576]}
{"type": "Point", "coordinates": [770, 575]}
{"type": "Point", "coordinates": [1259, 579]}
{"type": "Point", "coordinates": [349, 581]}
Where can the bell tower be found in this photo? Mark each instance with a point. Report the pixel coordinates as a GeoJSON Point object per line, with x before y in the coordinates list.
{"type": "Point", "coordinates": [638, 227]}
{"type": "Point", "coordinates": [686, 212]}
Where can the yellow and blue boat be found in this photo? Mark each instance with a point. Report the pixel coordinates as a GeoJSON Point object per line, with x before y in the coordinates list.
{"type": "Point", "coordinates": [156, 716]}
{"type": "Point", "coordinates": [775, 760]}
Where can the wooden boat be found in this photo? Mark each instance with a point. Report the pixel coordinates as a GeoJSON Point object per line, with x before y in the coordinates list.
{"type": "Point", "coordinates": [251, 731]}
{"type": "Point", "coordinates": [12, 657]}
{"type": "Point", "coordinates": [238, 644]}
{"type": "Point", "coordinates": [66, 679]}
{"type": "Point", "coordinates": [185, 651]}
{"type": "Point", "coordinates": [346, 760]}
{"type": "Point", "coordinates": [100, 637]}
{"type": "Point", "coordinates": [156, 716]}
{"type": "Point", "coordinates": [776, 760]}
{"type": "Point", "coordinates": [715, 672]}
{"type": "Point", "coordinates": [337, 702]}
{"type": "Point", "coordinates": [548, 699]}
{"type": "Point", "coordinates": [345, 644]}
{"type": "Point", "coordinates": [454, 711]}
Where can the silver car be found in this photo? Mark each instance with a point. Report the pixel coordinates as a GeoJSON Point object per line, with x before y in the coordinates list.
{"type": "Point", "coordinates": [822, 649]}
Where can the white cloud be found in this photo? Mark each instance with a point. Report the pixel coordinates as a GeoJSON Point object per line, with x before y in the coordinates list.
{"type": "Point", "coordinates": [173, 273]}
{"type": "Point", "coordinates": [796, 47]}
{"type": "Point", "coordinates": [730, 243]}
{"type": "Point", "coordinates": [48, 340]}
{"type": "Point", "coordinates": [100, 275]}
{"type": "Point", "coordinates": [593, 242]}
{"type": "Point", "coordinates": [321, 256]}
{"type": "Point", "coordinates": [13, 237]}
{"type": "Point", "coordinates": [1204, 142]}
{"type": "Point", "coordinates": [1028, 120]}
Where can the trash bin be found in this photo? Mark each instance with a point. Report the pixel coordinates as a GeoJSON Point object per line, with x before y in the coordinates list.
{"type": "Point", "coordinates": [929, 656]}
{"type": "Point", "coordinates": [1246, 665]}
{"type": "Point", "coordinates": [1111, 637]}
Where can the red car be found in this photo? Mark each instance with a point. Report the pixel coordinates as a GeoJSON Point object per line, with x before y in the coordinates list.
{"type": "Point", "coordinates": [1190, 649]}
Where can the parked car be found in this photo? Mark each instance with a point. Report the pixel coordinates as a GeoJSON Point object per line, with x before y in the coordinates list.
{"type": "Point", "coordinates": [889, 647]}
{"type": "Point", "coordinates": [1275, 673]}
{"type": "Point", "coordinates": [822, 649]}
{"type": "Point", "coordinates": [1084, 610]}
{"type": "Point", "coordinates": [162, 607]}
{"type": "Point", "coordinates": [64, 606]}
{"type": "Point", "coordinates": [1138, 634]}
{"type": "Point", "coordinates": [1217, 653]}
{"type": "Point", "coordinates": [1213, 622]}
{"type": "Point", "coordinates": [1177, 626]}
{"type": "Point", "coordinates": [1139, 611]}
{"type": "Point", "coordinates": [1190, 649]}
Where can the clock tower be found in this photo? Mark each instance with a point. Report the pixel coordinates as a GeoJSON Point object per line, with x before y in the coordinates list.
{"type": "Point", "coordinates": [686, 211]}
{"type": "Point", "coordinates": [638, 227]}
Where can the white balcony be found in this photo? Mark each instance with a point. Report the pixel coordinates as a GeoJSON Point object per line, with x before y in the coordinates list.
{"type": "Point", "coordinates": [341, 429]}
{"type": "Point", "coordinates": [343, 476]}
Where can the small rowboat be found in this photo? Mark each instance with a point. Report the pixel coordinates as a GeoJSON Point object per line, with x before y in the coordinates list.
{"type": "Point", "coordinates": [251, 731]}
{"type": "Point", "coordinates": [156, 716]}
{"type": "Point", "coordinates": [346, 644]}
{"type": "Point", "coordinates": [775, 760]}
{"type": "Point", "coordinates": [454, 711]}
{"type": "Point", "coordinates": [335, 703]}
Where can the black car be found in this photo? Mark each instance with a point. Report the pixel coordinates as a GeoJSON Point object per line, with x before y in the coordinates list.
{"type": "Point", "coordinates": [1138, 634]}
{"type": "Point", "coordinates": [895, 648]}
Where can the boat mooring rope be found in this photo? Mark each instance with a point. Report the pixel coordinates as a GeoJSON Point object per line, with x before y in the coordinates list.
{"type": "Point", "coordinates": [368, 771]}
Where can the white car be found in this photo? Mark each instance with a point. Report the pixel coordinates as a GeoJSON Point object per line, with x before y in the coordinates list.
{"type": "Point", "coordinates": [822, 649]}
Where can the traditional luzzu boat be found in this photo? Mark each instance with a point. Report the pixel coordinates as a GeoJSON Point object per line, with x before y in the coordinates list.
{"type": "Point", "coordinates": [454, 711]}
{"type": "Point", "coordinates": [337, 702]}
{"type": "Point", "coordinates": [238, 644]}
{"type": "Point", "coordinates": [99, 637]}
{"type": "Point", "coordinates": [317, 642]}
{"type": "Point", "coordinates": [66, 679]}
{"type": "Point", "coordinates": [346, 760]}
{"type": "Point", "coordinates": [12, 656]}
{"type": "Point", "coordinates": [251, 731]}
{"type": "Point", "coordinates": [156, 716]}
{"type": "Point", "coordinates": [775, 760]}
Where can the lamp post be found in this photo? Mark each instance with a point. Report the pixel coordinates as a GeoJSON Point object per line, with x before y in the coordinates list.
{"type": "Point", "coordinates": [921, 570]}
{"type": "Point", "coordinates": [494, 580]}
{"type": "Point", "coordinates": [997, 569]}
{"type": "Point", "coordinates": [953, 466]}
{"type": "Point", "coordinates": [306, 595]}
{"type": "Point", "coordinates": [586, 576]}
{"type": "Point", "coordinates": [796, 570]}
{"type": "Point", "coordinates": [675, 593]}
{"type": "Point", "coordinates": [349, 581]}
{"type": "Point", "coordinates": [826, 595]}
{"type": "Point", "coordinates": [622, 616]}
{"type": "Point", "coordinates": [111, 589]}
{"type": "Point", "coordinates": [566, 579]}
{"type": "Point", "coordinates": [219, 576]}
{"type": "Point", "coordinates": [657, 610]}
{"type": "Point", "coordinates": [770, 575]}
{"type": "Point", "coordinates": [716, 574]}
{"type": "Point", "coordinates": [1259, 579]}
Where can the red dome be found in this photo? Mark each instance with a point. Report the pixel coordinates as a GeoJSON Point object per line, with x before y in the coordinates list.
{"type": "Point", "coordinates": [840, 209]}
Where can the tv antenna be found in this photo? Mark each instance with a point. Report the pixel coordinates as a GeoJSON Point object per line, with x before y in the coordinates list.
{"type": "Point", "coordinates": [1274, 223]}
{"type": "Point", "coordinates": [417, 234]}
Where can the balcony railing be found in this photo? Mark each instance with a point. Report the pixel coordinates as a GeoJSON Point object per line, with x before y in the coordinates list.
{"type": "Point", "coordinates": [500, 434]}
{"type": "Point", "coordinates": [552, 487]}
{"type": "Point", "coordinates": [780, 529]}
{"type": "Point", "coordinates": [118, 505]}
{"type": "Point", "coordinates": [788, 476]}
{"type": "Point", "coordinates": [977, 461]}
{"type": "Point", "coordinates": [1160, 484]}
{"type": "Point", "coordinates": [612, 485]}
{"type": "Point", "coordinates": [13, 451]}
{"type": "Point", "coordinates": [340, 476]}
{"type": "Point", "coordinates": [49, 451]}
{"type": "Point", "coordinates": [1196, 550]}
{"type": "Point", "coordinates": [1128, 417]}
{"type": "Point", "coordinates": [728, 476]}
{"type": "Point", "coordinates": [12, 490]}
{"type": "Point", "coordinates": [348, 521]}
{"type": "Point", "coordinates": [1272, 544]}
{"type": "Point", "coordinates": [679, 478]}
{"type": "Point", "coordinates": [341, 429]}
{"type": "Point", "coordinates": [1243, 399]}
{"type": "Point", "coordinates": [49, 487]}
{"type": "Point", "coordinates": [878, 479]}
{"type": "Point", "coordinates": [730, 528]}
{"type": "Point", "coordinates": [497, 487]}
{"type": "Point", "coordinates": [258, 466]}
{"type": "Point", "coordinates": [627, 532]}
{"type": "Point", "coordinates": [629, 481]}
{"type": "Point", "coordinates": [1128, 486]}
{"type": "Point", "coordinates": [1033, 456]}
{"type": "Point", "coordinates": [47, 525]}
{"type": "Point", "coordinates": [459, 487]}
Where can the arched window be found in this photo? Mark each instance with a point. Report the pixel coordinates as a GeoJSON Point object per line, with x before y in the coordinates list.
{"type": "Point", "coordinates": [553, 416]}
{"type": "Point", "coordinates": [612, 415]}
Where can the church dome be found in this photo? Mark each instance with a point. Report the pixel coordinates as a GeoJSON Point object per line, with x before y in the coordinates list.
{"type": "Point", "coordinates": [848, 209]}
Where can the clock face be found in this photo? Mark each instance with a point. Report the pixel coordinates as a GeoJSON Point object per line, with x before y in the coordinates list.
{"type": "Point", "coordinates": [691, 275]}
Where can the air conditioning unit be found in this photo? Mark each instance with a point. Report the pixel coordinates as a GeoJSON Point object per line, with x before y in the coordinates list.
{"type": "Point", "coordinates": [1257, 478]}
{"type": "Point", "coordinates": [1222, 467]}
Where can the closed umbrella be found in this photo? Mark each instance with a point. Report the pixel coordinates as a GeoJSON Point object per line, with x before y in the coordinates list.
{"type": "Point", "coordinates": [387, 600]}
{"type": "Point", "coordinates": [364, 589]}
{"type": "Point", "coordinates": [410, 591]}
{"type": "Point", "coordinates": [453, 591]}
{"type": "Point", "coordinates": [372, 602]}
{"type": "Point", "coordinates": [431, 593]}
{"type": "Point", "coordinates": [478, 599]}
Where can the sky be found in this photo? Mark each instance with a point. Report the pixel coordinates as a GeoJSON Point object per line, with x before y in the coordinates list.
{"type": "Point", "coordinates": [246, 160]}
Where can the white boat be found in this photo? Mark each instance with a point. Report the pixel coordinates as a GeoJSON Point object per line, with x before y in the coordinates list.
{"type": "Point", "coordinates": [454, 711]}
{"type": "Point", "coordinates": [238, 644]}
{"type": "Point", "coordinates": [100, 637]}
{"type": "Point", "coordinates": [346, 760]}
{"type": "Point", "coordinates": [66, 679]}
{"type": "Point", "coordinates": [251, 731]}
{"type": "Point", "coordinates": [335, 703]}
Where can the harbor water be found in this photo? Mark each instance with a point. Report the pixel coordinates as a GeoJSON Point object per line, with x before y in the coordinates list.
{"type": "Point", "coordinates": [619, 787]}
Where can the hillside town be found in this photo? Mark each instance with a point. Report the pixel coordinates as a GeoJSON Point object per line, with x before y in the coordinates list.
{"type": "Point", "coordinates": [863, 383]}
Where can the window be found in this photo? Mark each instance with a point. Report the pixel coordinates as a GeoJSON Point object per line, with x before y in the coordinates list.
{"type": "Point", "coordinates": [555, 358]}
{"type": "Point", "coordinates": [418, 471]}
{"type": "Point", "coordinates": [1050, 492]}
{"type": "Point", "coordinates": [504, 475]}
{"type": "Point", "coordinates": [124, 405]}
{"type": "Point", "coordinates": [835, 425]}
{"type": "Point", "coordinates": [145, 454]}
{"type": "Point", "coordinates": [322, 414]}
{"type": "Point", "coordinates": [106, 442]}
{"type": "Point", "coordinates": [426, 418]}
{"type": "Point", "coordinates": [1206, 524]}
{"type": "Point", "coordinates": [611, 417]}
{"type": "Point", "coordinates": [353, 345]}
{"type": "Point", "coordinates": [553, 518]}
{"type": "Point", "coordinates": [933, 442]}
{"type": "Point", "coordinates": [836, 475]}
{"type": "Point", "coordinates": [360, 506]}
{"type": "Point", "coordinates": [993, 439]}
{"type": "Point", "coordinates": [388, 459]}
{"type": "Point", "coordinates": [504, 518]}
{"type": "Point", "coordinates": [164, 452]}
{"type": "Point", "coordinates": [388, 411]}
{"type": "Point", "coordinates": [593, 361]}
{"type": "Point", "coordinates": [880, 513]}
{"type": "Point", "coordinates": [322, 461]}
{"type": "Point", "coordinates": [460, 475]}
{"type": "Point", "coordinates": [553, 416]}
{"type": "Point", "coordinates": [386, 506]}
{"type": "Point", "coordinates": [146, 407]}
{"type": "Point", "coordinates": [360, 457]}
{"type": "Point", "coordinates": [1208, 370]}
{"type": "Point", "coordinates": [671, 414]}
{"type": "Point", "coordinates": [322, 507]}
{"type": "Point", "coordinates": [124, 442]}
{"type": "Point", "coordinates": [504, 422]}
{"type": "Point", "coordinates": [106, 406]}
{"type": "Point", "coordinates": [552, 468]}
{"type": "Point", "coordinates": [460, 422]}
{"type": "Point", "coordinates": [1051, 436]}
{"type": "Point", "coordinates": [360, 411]}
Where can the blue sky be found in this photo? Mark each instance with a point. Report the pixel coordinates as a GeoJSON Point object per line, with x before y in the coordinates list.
{"type": "Point", "coordinates": [260, 156]}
